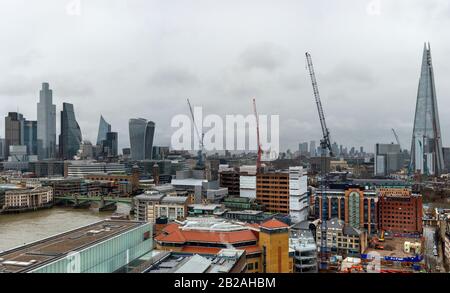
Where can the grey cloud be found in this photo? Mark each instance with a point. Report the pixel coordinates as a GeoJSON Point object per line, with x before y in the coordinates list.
{"type": "Point", "coordinates": [265, 56]}
{"type": "Point", "coordinates": [167, 77]}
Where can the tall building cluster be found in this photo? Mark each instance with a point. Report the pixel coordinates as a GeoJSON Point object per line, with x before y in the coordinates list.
{"type": "Point", "coordinates": [29, 141]}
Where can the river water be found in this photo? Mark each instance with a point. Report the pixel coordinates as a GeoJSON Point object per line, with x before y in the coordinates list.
{"type": "Point", "coordinates": [19, 229]}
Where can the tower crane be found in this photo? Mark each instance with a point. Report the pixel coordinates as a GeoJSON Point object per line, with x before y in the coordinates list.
{"type": "Point", "coordinates": [200, 160]}
{"type": "Point", "coordinates": [325, 146]}
{"type": "Point", "coordinates": [397, 139]}
{"type": "Point", "coordinates": [258, 160]}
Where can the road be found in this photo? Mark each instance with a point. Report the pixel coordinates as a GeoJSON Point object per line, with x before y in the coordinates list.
{"type": "Point", "coordinates": [435, 263]}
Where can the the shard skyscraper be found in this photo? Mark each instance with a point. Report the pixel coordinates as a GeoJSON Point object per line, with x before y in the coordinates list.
{"type": "Point", "coordinates": [426, 149]}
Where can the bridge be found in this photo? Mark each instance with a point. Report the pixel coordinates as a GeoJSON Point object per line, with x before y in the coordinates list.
{"type": "Point", "coordinates": [105, 202]}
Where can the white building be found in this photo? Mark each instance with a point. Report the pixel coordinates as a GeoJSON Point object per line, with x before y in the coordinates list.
{"type": "Point", "coordinates": [247, 181]}
{"type": "Point", "coordinates": [298, 194]}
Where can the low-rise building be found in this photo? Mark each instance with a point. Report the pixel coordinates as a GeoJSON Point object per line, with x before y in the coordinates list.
{"type": "Point", "coordinates": [103, 247]}
{"type": "Point", "coordinates": [154, 205]}
{"type": "Point", "coordinates": [266, 245]}
{"type": "Point", "coordinates": [27, 199]}
{"type": "Point", "coordinates": [226, 261]}
{"type": "Point", "coordinates": [342, 239]}
{"type": "Point", "coordinates": [305, 255]}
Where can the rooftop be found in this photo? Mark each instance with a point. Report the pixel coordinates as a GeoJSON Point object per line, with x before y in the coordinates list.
{"type": "Point", "coordinates": [28, 257]}
{"type": "Point", "coordinates": [274, 224]}
{"type": "Point", "coordinates": [223, 262]}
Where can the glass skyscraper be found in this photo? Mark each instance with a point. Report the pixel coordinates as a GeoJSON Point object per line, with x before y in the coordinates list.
{"type": "Point", "coordinates": [70, 138]}
{"type": "Point", "coordinates": [141, 138]}
{"type": "Point", "coordinates": [30, 137]}
{"type": "Point", "coordinates": [46, 123]}
{"type": "Point", "coordinates": [426, 148]}
{"type": "Point", "coordinates": [103, 128]}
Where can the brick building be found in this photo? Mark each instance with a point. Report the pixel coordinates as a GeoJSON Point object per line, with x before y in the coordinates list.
{"type": "Point", "coordinates": [400, 211]}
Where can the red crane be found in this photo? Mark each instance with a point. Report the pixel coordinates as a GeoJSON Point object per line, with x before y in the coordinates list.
{"type": "Point", "coordinates": [258, 160]}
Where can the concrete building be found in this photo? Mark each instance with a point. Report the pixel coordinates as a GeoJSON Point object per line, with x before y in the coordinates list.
{"type": "Point", "coordinates": [46, 124]}
{"type": "Point", "coordinates": [103, 247]}
{"type": "Point", "coordinates": [305, 255]}
{"type": "Point", "coordinates": [72, 186]}
{"type": "Point", "coordinates": [14, 130]}
{"type": "Point", "coordinates": [229, 178]}
{"type": "Point", "coordinates": [27, 199]}
{"type": "Point", "coordinates": [247, 182]}
{"type": "Point", "coordinates": [298, 194]}
{"type": "Point", "coordinates": [151, 206]}
{"type": "Point", "coordinates": [400, 211]}
{"type": "Point", "coordinates": [303, 149]}
{"type": "Point", "coordinates": [388, 159]}
{"type": "Point", "coordinates": [47, 168]}
{"type": "Point", "coordinates": [83, 168]}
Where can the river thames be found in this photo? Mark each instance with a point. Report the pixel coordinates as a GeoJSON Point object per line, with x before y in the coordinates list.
{"type": "Point", "coordinates": [19, 229]}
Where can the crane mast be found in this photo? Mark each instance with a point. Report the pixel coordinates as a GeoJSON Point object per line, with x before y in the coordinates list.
{"type": "Point", "coordinates": [200, 163]}
{"type": "Point", "coordinates": [325, 145]}
{"type": "Point", "coordinates": [258, 160]}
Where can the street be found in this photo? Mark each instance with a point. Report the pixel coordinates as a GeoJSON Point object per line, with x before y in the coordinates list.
{"type": "Point", "coordinates": [434, 263]}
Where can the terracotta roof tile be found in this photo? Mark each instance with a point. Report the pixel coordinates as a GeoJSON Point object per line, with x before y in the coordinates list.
{"type": "Point", "coordinates": [274, 224]}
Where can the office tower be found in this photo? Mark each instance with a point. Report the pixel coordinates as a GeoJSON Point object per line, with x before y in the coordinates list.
{"type": "Point", "coordinates": [303, 148]}
{"type": "Point", "coordinates": [2, 148]}
{"type": "Point", "coordinates": [446, 153]}
{"type": "Point", "coordinates": [388, 159]}
{"type": "Point", "coordinates": [312, 148]}
{"type": "Point", "coordinates": [70, 138]}
{"type": "Point", "coordinates": [14, 133]}
{"type": "Point", "coordinates": [141, 138]}
{"type": "Point", "coordinates": [46, 123]}
{"type": "Point", "coordinates": [103, 128]}
{"type": "Point", "coordinates": [335, 149]}
{"type": "Point", "coordinates": [110, 144]}
{"type": "Point", "coordinates": [426, 147]}
{"type": "Point", "coordinates": [30, 137]}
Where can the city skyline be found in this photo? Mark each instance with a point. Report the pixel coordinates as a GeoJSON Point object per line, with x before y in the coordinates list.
{"type": "Point", "coordinates": [272, 65]}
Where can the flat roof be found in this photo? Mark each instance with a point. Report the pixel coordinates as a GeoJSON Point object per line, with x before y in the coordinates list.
{"type": "Point", "coordinates": [34, 255]}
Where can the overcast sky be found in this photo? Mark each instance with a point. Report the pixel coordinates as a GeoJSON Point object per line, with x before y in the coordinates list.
{"type": "Point", "coordinates": [143, 58]}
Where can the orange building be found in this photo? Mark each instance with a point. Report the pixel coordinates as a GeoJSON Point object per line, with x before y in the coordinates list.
{"type": "Point", "coordinates": [272, 191]}
{"type": "Point", "coordinates": [266, 246]}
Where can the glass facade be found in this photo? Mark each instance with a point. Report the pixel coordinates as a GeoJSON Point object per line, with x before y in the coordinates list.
{"type": "Point", "coordinates": [141, 138]}
{"type": "Point", "coordinates": [105, 257]}
{"type": "Point", "coordinates": [30, 137]}
{"type": "Point", "coordinates": [46, 123]}
{"type": "Point", "coordinates": [426, 148]}
{"type": "Point", "coordinates": [70, 138]}
{"type": "Point", "coordinates": [103, 129]}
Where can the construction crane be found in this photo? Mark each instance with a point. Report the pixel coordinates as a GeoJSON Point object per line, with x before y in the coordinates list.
{"type": "Point", "coordinates": [325, 146]}
{"type": "Point", "coordinates": [200, 160]}
{"type": "Point", "coordinates": [397, 139]}
{"type": "Point", "coordinates": [258, 160]}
